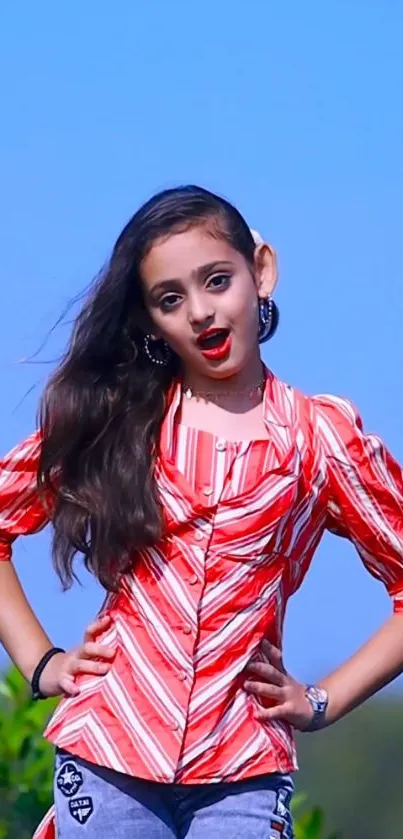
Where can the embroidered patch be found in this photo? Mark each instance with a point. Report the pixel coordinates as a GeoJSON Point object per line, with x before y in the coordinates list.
{"type": "Point", "coordinates": [282, 807]}
{"type": "Point", "coordinates": [81, 808]}
{"type": "Point", "coordinates": [69, 779]}
{"type": "Point", "coordinates": [276, 829]}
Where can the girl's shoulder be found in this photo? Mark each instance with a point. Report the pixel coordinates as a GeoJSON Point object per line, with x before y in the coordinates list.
{"type": "Point", "coordinates": [319, 410]}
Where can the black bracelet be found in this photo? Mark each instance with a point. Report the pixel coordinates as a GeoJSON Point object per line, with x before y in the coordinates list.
{"type": "Point", "coordinates": [36, 693]}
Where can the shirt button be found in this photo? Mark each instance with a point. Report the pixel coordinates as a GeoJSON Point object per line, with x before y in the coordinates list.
{"type": "Point", "coordinates": [199, 536]}
{"type": "Point", "coordinates": [221, 445]}
{"type": "Point", "coordinates": [207, 491]}
{"type": "Point", "coordinates": [187, 629]}
{"type": "Point", "coordinates": [175, 726]}
{"type": "Point", "coordinates": [193, 579]}
{"type": "Point", "coordinates": [182, 677]}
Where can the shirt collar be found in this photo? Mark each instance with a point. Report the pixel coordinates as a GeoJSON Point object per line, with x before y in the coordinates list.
{"type": "Point", "coordinates": [170, 421]}
{"type": "Point", "coordinates": [275, 410]}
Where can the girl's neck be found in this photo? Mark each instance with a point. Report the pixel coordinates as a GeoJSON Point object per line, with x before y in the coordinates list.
{"type": "Point", "coordinates": [209, 403]}
{"type": "Point", "coordinates": [240, 384]}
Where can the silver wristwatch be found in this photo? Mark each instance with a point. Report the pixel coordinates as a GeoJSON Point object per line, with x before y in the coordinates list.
{"type": "Point", "coordinates": [319, 700]}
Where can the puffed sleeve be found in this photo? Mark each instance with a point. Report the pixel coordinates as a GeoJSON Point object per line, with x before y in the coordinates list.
{"type": "Point", "coordinates": [365, 491]}
{"type": "Point", "coordinates": [21, 510]}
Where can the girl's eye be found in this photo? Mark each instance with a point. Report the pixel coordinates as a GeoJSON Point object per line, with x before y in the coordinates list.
{"type": "Point", "coordinates": [220, 281]}
{"type": "Point", "coordinates": [169, 302]}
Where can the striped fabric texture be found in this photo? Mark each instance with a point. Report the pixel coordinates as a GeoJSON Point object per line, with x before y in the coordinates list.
{"type": "Point", "coordinates": [242, 522]}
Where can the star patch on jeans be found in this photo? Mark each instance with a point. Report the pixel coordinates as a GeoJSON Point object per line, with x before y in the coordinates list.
{"type": "Point", "coordinates": [81, 808]}
{"type": "Point", "coordinates": [69, 779]}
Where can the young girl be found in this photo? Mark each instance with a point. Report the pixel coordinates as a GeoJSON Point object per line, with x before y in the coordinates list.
{"type": "Point", "coordinates": [197, 487]}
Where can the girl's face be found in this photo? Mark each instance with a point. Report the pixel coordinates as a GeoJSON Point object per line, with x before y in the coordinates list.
{"type": "Point", "coordinates": [202, 297]}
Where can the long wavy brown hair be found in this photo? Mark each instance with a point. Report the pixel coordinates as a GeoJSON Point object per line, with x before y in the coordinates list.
{"type": "Point", "coordinates": [102, 409]}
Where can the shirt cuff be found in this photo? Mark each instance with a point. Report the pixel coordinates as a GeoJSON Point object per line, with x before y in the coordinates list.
{"type": "Point", "coordinates": [398, 603]}
{"type": "Point", "coordinates": [5, 550]}
{"type": "Point", "coordinates": [396, 593]}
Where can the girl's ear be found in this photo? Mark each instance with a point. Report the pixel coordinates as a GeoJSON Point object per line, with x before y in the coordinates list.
{"type": "Point", "coordinates": [265, 269]}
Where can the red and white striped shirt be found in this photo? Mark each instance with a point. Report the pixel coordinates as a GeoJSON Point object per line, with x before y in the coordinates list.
{"type": "Point", "coordinates": [242, 522]}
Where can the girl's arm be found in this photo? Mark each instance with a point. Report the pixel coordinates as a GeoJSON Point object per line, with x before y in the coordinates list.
{"type": "Point", "coordinates": [364, 491]}
{"type": "Point", "coordinates": [376, 664]}
{"type": "Point", "coordinates": [22, 513]}
{"type": "Point", "coordinates": [20, 632]}
{"type": "Point", "coordinates": [26, 641]}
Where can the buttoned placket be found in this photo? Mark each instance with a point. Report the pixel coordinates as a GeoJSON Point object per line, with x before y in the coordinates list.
{"type": "Point", "coordinates": [203, 534]}
{"type": "Point", "coordinates": [208, 500]}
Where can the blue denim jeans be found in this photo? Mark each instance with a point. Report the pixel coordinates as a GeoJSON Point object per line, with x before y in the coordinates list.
{"type": "Point", "coordinates": [93, 802]}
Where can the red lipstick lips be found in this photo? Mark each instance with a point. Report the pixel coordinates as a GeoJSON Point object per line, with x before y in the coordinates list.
{"type": "Point", "coordinates": [214, 344]}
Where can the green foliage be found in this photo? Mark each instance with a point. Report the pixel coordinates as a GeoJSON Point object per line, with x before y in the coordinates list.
{"type": "Point", "coordinates": [309, 823]}
{"type": "Point", "coordinates": [25, 759]}
{"type": "Point", "coordinates": [355, 770]}
{"type": "Point", "coordinates": [26, 767]}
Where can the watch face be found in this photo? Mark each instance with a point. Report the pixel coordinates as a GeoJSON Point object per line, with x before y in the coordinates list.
{"type": "Point", "coordinates": [318, 697]}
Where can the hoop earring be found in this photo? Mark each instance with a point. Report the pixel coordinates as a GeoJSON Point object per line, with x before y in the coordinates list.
{"type": "Point", "coordinates": [149, 351]}
{"type": "Point", "coordinates": [265, 319]}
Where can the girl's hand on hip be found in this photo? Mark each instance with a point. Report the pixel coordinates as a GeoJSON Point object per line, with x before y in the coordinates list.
{"type": "Point", "coordinates": [269, 681]}
{"type": "Point", "coordinates": [90, 658]}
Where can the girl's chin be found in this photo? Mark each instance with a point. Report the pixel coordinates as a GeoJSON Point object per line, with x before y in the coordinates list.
{"type": "Point", "coordinates": [225, 371]}
{"type": "Point", "coordinates": [216, 369]}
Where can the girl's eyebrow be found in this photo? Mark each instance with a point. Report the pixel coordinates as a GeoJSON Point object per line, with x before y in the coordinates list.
{"type": "Point", "coordinates": [200, 272]}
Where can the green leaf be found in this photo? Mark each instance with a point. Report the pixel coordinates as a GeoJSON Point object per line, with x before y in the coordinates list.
{"type": "Point", "coordinates": [298, 800]}
{"type": "Point", "coordinates": [309, 824]}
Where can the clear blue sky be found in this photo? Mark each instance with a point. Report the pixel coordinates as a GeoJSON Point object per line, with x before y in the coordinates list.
{"type": "Point", "coordinates": [292, 110]}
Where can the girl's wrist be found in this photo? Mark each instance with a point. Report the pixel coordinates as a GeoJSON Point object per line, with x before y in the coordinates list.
{"type": "Point", "coordinates": [318, 699]}
{"type": "Point", "coordinates": [45, 678]}
{"type": "Point", "coordinates": [335, 710]}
